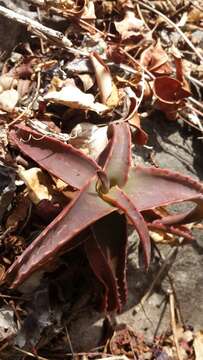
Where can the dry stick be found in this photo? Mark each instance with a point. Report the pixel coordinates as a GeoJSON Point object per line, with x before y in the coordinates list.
{"type": "Point", "coordinates": [69, 342]}
{"type": "Point", "coordinates": [148, 7]}
{"type": "Point", "coordinates": [196, 102]}
{"type": "Point", "coordinates": [28, 353]}
{"type": "Point", "coordinates": [167, 261]}
{"type": "Point", "coordinates": [57, 36]}
{"type": "Point", "coordinates": [38, 29]}
{"type": "Point", "coordinates": [173, 324]}
{"type": "Point", "coordinates": [170, 278]}
{"type": "Point", "coordinates": [194, 80]}
{"type": "Point", "coordinates": [195, 110]}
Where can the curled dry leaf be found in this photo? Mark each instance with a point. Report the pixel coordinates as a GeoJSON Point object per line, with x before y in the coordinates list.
{"type": "Point", "coordinates": [108, 90]}
{"type": "Point", "coordinates": [156, 60]}
{"type": "Point", "coordinates": [70, 95]}
{"type": "Point", "coordinates": [9, 100]}
{"type": "Point", "coordinates": [129, 26]}
{"type": "Point", "coordinates": [89, 138]}
{"type": "Point", "coordinates": [170, 94]}
{"type": "Point", "coordinates": [133, 117]}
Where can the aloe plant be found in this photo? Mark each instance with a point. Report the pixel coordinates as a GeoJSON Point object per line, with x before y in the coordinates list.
{"type": "Point", "coordinates": [111, 194]}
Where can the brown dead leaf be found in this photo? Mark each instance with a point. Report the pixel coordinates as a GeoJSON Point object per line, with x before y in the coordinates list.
{"type": "Point", "coordinates": [129, 26]}
{"type": "Point", "coordinates": [70, 95]}
{"type": "Point", "coordinates": [156, 60]}
{"type": "Point", "coordinates": [108, 90]}
{"type": "Point", "coordinates": [170, 94]}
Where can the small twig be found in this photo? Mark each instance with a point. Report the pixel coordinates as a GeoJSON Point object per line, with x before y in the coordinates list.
{"type": "Point", "coordinates": [172, 254]}
{"type": "Point", "coordinates": [188, 122]}
{"type": "Point", "coordinates": [170, 278]}
{"type": "Point", "coordinates": [196, 102]}
{"type": "Point", "coordinates": [28, 353]}
{"type": "Point", "coordinates": [142, 17]}
{"type": "Point", "coordinates": [173, 324]}
{"type": "Point", "coordinates": [195, 110]}
{"type": "Point", "coordinates": [189, 43]}
{"type": "Point", "coordinates": [69, 342]}
{"type": "Point", "coordinates": [194, 80]}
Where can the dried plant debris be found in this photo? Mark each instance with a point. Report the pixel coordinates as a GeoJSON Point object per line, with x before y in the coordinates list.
{"type": "Point", "coordinates": [84, 96]}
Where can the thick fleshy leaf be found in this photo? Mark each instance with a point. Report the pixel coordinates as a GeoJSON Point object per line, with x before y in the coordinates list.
{"type": "Point", "coordinates": [111, 237]}
{"type": "Point", "coordinates": [102, 270]}
{"type": "Point", "coordinates": [120, 200]}
{"type": "Point", "coordinates": [58, 237]}
{"type": "Point", "coordinates": [179, 231]}
{"type": "Point", "coordinates": [150, 187]}
{"type": "Point", "coordinates": [119, 147]}
{"type": "Point", "coordinates": [61, 160]}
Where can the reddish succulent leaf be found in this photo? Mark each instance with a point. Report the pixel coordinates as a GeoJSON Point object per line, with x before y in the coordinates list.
{"type": "Point", "coordinates": [110, 243]}
{"type": "Point", "coordinates": [179, 231]}
{"type": "Point", "coordinates": [85, 209]}
{"type": "Point", "coordinates": [60, 159]}
{"type": "Point", "coordinates": [150, 187]}
{"type": "Point", "coordinates": [119, 147]}
{"type": "Point", "coordinates": [140, 189]}
{"type": "Point", "coordinates": [104, 273]}
{"type": "Point", "coordinates": [119, 199]}
{"type": "Point", "coordinates": [156, 220]}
